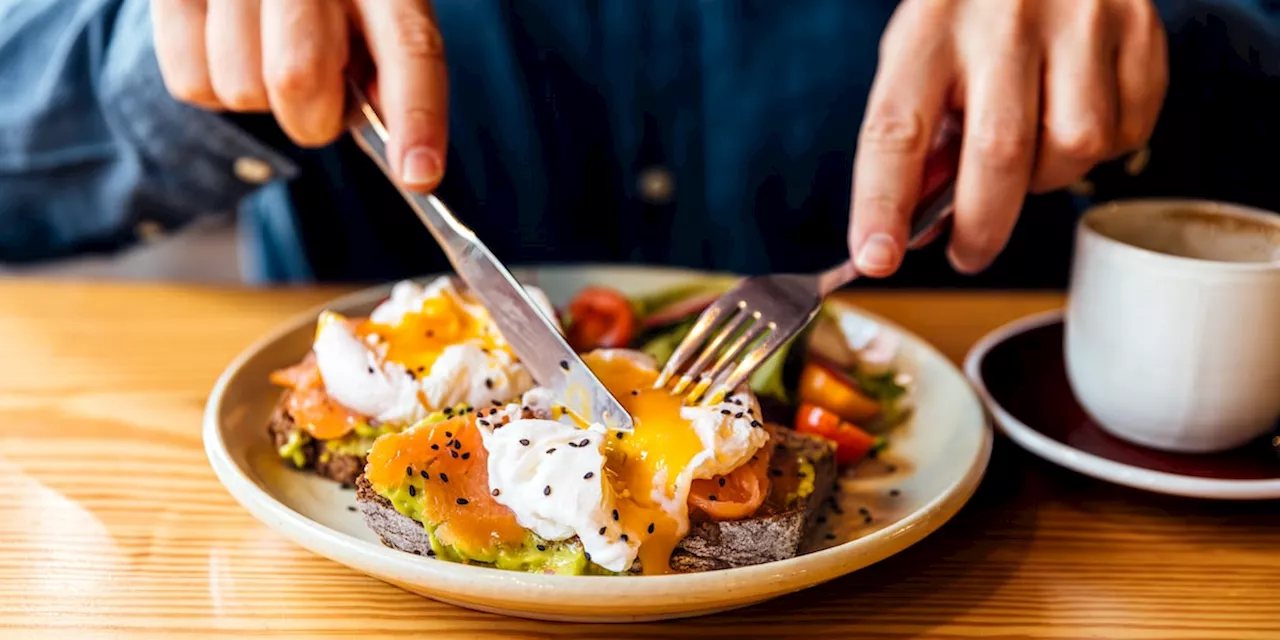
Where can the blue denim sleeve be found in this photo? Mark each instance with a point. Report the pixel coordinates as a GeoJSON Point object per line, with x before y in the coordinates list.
{"type": "Point", "coordinates": [91, 143]}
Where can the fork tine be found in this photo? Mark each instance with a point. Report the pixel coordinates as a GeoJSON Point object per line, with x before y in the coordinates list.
{"type": "Point", "coordinates": [751, 334]}
{"type": "Point", "coordinates": [695, 337]}
{"type": "Point", "coordinates": [753, 359]}
{"type": "Point", "coordinates": [739, 317]}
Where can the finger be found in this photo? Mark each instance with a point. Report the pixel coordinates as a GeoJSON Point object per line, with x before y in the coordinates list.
{"type": "Point", "coordinates": [234, 45]}
{"type": "Point", "coordinates": [1001, 110]}
{"type": "Point", "coordinates": [304, 49]}
{"type": "Point", "coordinates": [413, 86]}
{"type": "Point", "coordinates": [1142, 72]}
{"type": "Point", "coordinates": [903, 110]}
{"type": "Point", "coordinates": [180, 50]}
{"type": "Point", "coordinates": [1079, 113]}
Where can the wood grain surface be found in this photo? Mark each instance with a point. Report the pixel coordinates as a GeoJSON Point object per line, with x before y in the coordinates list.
{"type": "Point", "coordinates": [113, 525]}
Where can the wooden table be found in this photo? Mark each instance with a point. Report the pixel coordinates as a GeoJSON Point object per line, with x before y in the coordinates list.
{"type": "Point", "coordinates": [112, 524]}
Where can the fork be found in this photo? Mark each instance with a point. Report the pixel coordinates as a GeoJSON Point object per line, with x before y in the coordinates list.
{"type": "Point", "coordinates": [764, 312]}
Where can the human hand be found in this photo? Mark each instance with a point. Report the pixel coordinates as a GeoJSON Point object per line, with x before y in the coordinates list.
{"type": "Point", "coordinates": [289, 57]}
{"type": "Point", "coordinates": [1048, 89]}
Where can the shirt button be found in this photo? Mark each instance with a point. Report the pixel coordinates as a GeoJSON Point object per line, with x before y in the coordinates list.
{"type": "Point", "coordinates": [148, 230]}
{"type": "Point", "coordinates": [252, 170]}
{"type": "Point", "coordinates": [656, 185]}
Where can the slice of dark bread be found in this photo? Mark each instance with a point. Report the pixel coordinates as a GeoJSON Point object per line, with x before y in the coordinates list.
{"type": "Point", "coordinates": [776, 533]}
{"type": "Point", "coordinates": [338, 467]}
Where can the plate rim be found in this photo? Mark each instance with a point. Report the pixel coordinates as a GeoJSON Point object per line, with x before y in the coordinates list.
{"type": "Point", "coordinates": [1086, 463]}
{"type": "Point", "coordinates": [819, 566]}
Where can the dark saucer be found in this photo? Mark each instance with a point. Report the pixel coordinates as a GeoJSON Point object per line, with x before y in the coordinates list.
{"type": "Point", "coordinates": [1019, 369]}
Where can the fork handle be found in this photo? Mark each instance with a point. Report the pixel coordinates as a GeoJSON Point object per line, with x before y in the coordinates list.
{"type": "Point", "coordinates": [936, 204]}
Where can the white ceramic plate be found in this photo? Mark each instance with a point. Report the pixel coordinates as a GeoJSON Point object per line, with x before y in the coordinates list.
{"type": "Point", "coordinates": [1018, 369]}
{"type": "Point", "coordinates": [933, 465]}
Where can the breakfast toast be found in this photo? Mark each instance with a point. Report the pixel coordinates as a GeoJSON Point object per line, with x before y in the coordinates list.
{"type": "Point", "coordinates": [802, 477]}
{"type": "Point", "coordinates": [307, 453]}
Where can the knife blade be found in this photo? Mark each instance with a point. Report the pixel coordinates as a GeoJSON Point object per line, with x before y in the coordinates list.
{"type": "Point", "coordinates": [534, 338]}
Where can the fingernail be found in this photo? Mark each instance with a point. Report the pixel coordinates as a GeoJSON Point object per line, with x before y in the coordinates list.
{"type": "Point", "coordinates": [963, 261]}
{"type": "Point", "coordinates": [421, 166]}
{"type": "Point", "coordinates": [879, 253]}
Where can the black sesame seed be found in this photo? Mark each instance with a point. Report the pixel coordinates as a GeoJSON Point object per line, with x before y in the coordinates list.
{"type": "Point", "coordinates": [584, 442]}
{"type": "Point", "coordinates": [421, 369]}
{"type": "Point", "coordinates": [444, 477]}
{"type": "Point", "coordinates": [370, 369]}
{"type": "Point", "coordinates": [430, 553]}
{"type": "Point", "coordinates": [457, 444]}
{"type": "Point", "coordinates": [448, 434]}
{"type": "Point", "coordinates": [587, 556]}
{"type": "Point", "coordinates": [435, 447]}
{"type": "Point", "coordinates": [619, 435]}
{"type": "Point", "coordinates": [412, 491]}
{"type": "Point", "coordinates": [408, 471]}
{"type": "Point", "coordinates": [590, 475]}
{"type": "Point", "coordinates": [863, 511]}
{"type": "Point", "coordinates": [492, 411]}
{"type": "Point", "coordinates": [602, 530]}
{"type": "Point", "coordinates": [453, 453]}
{"type": "Point", "coordinates": [623, 537]}
{"type": "Point", "coordinates": [448, 410]}
{"type": "Point", "coordinates": [483, 423]}
{"type": "Point", "coordinates": [350, 508]}
{"type": "Point", "coordinates": [449, 443]}
{"type": "Point", "coordinates": [650, 527]}
{"type": "Point", "coordinates": [736, 401]}
{"type": "Point", "coordinates": [726, 412]}
{"type": "Point", "coordinates": [551, 450]}
{"type": "Point", "coordinates": [495, 493]}
{"type": "Point", "coordinates": [542, 547]}
{"type": "Point", "coordinates": [867, 521]}
{"type": "Point", "coordinates": [546, 491]}
{"type": "Point", "coordinates": [894, 492]}
{"type": "Point", "coordinates": [737, 416]}
{"type": "Point", "coordinates": [489, 383]}
{"type": "Point", "coordinates": [424, 474]}
{"type": "Point", "coordinates": [802, 475]}
{"type": "Point", "coordinates": [831, 536]}
{"type": "Point", "coordinates": [462, 501]}
{"type": "Point", "coordinates": [756, 424]}
{"type": "Point", "coordinates": [712, 497]}
{"type": "Point", "coordinates": [411, 374]}
{"type": "Point", "coordinates": [722, 482]}
{"type": "Point", "coordinates": [524, 441]}
{"type": "Point", "coordinates": [777, 473]}
{"type": "Point", "coordinates": [615, 515]}
{"type": "Point", "coordinates": [564, 364]}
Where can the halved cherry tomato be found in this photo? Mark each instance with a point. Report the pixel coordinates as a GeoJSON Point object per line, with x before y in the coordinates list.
{"type": "Point", "coordinates": [602, 318]}
{"type": "Point", "coordinates": [852, 443]}
{"type": "Point", "coordinates": [829, 388]}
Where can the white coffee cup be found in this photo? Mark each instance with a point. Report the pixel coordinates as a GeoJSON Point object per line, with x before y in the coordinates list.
{"type": "Point", "coordinates": [1173, 322]}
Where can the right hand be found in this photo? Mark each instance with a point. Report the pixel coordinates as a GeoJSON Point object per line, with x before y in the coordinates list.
{"type": "Point", "coordinates": [289, 57]}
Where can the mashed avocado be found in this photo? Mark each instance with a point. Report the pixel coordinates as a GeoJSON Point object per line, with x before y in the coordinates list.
{"type": "Point", "coordinates": [805, 488]}
{"type": "Point", "coordinates": [291, 450]}
{"type": "Point", "coordinates": [532, 555]}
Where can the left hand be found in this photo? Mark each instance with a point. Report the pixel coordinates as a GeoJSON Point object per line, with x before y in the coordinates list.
{"type": "Point", "coordinates": [1048, 89]}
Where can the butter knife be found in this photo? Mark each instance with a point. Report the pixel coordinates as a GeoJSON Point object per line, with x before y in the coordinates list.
{"type": "Point", "coordinates": [533, 337]}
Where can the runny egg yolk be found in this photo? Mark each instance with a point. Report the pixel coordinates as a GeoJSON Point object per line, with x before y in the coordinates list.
{"type": "Point", "coordinates": [645, 466]}
{"type": "Point", "coordinates": [418, 338]}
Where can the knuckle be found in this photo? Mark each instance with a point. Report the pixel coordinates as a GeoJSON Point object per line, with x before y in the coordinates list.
{"type": "Point", "coordinates": [1082, 141]}
{"type": "Point", "coordinates": [888, 129]}
{"type": "Point", "coordinates": [191, 91]}
{"type": "Point", "coordinates": [242, 98]}
{"type": "Point", "coordinates": [1003, 142]}
{"type": "Point", "coordinates": [296, 74]}
{"type": "Point", "coordinates": [417, 36]}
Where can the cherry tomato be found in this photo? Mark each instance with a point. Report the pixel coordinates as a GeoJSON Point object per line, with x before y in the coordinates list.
{"type": "Point", "coordinates": [601, 318]}
{"type": "Point", "coordinates": [852, 443]}
{"type": "Point", "coordinates": [831, 389]}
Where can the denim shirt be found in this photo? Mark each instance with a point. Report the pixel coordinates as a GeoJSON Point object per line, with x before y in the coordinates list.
{"type": "Point", "coordinates": [713, 134]}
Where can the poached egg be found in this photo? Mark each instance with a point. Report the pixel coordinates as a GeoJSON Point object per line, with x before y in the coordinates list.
{"type": "Point", "coordinates": [423, 349]}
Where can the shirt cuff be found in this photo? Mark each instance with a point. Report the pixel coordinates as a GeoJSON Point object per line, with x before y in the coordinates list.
{"type": "Point", "coordinates": [200, 161]}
